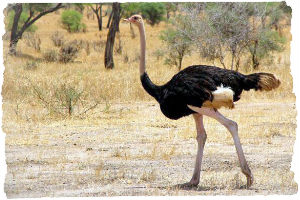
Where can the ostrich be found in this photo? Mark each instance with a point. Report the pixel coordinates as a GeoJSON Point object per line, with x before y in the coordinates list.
{"type": "Point", "coordinates": [201, 90]}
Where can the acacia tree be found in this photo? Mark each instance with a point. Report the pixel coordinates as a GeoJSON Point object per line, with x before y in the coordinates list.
{"type": "Point", "coordinates": [97, 9]}
{"type": "Point", "coordinates": [170, 7]}
{"type": "Point", "coordinates": [221, 30]}
{"type": "Point", "coordinates": [178, 45]}
{"type": "Point", "coordinates": [114, 27]}
{"type": "Point", "coordinates": [36, 11]}
{"type": "Point", "coordinates": [263, 39]}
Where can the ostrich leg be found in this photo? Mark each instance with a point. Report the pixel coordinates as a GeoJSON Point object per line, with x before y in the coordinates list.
{"type": "Point", "coordinates": [201, 138]}
{"type": "Point", "coordinates": [232, 127]}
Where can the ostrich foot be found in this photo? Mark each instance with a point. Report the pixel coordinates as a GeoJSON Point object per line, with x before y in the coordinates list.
{"type": "Point", "coordinates": [189, 184]}
{"type": "Point", "coordinates": [249, 181]}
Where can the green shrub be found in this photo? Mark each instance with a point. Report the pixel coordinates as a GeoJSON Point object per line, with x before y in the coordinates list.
{"type": "Point", "coordinates": [71, 20]}
{"type": "Point", "coordinates": [23, 18]}
{"type": "Point", "coordinates": [129, 9]}
{"type": "Point", "coordinates": [178, 44]}
{"type": "Point", "coordinates": [153, 12]}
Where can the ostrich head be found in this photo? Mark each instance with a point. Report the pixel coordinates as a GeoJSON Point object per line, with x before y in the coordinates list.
{"type": "Point", "coordinates": [135, 19]}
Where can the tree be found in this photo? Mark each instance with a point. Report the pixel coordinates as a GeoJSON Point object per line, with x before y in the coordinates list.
{"type": "Point", "coordinates": [178, 45]}
{"type": "Point", "coordinates": [263, 39]}
{"type": "Point", "coordinates": [221, 30]}
{"type": "Point", "coordinates": [129, 9]}
{"type": "Point", "coordinates": [114, 27]}
{"type": "Point", "coordinates": [79, 7]}
{"type": "Point", "coordinates": [36, 11]}
{"type": "Point", "coordinates": [170, 7]}
{"type": "Point", "coordinates": [98, 12]}
{"type": "Point", "coordinates": [152, 12]}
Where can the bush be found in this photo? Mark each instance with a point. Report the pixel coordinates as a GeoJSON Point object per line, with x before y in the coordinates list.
{"type": "Point", "coordinates": [178, 44]}
{"type": "Point", "coordinates": [23, 18]}
{"type": "Point", "coordinates": [153, 12]}
{"type": "Point", "coordinates": [63, 100]}
{"type": "Point", "coordinates": [50, 55]}
{"type": "Point", "coordinates": [33, 40]}
{"type": "Point", "coordinates": [58, 39]}
{"type": "Point", "coordinates": [129, 9]}
{"type": "Point", "coordinates": [71, 20]}
{"type": "Point", "coordinates": [98, 46]}
{"type": "Point", "coordinates": [158, 53]}
{"type": "Point", "coordinates": [69, 51]}
{"type": "Point", "coordinates": [31, 65]}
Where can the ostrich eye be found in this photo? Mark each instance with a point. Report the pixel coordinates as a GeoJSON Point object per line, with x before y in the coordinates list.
{"type": "Point", "coordinates": [135, 18]}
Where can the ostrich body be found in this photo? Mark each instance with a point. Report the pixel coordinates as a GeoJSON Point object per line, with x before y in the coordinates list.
{"type": "Point", "coordinates": [201, 90]}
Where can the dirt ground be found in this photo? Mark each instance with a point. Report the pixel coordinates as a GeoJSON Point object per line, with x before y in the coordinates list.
{"type": "Point", "coordinates": [132, 149]}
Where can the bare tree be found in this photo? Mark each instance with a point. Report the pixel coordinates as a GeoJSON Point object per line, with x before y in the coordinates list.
{"type": "Point", "coordinates": [114, 27]}
{"type": "Point", "coordinates": [36, 11]}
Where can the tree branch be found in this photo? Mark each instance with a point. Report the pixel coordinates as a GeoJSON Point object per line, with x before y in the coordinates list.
{"type": "Point", "coordinates": [30, 16]}
{"type": "Point", "coordinates": [26, 25]}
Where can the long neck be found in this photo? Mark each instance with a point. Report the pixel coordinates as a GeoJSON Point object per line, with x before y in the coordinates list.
{"type": "Point", "coordinates": [148, 85]}
{"type": "Point", "coordinates": [143, 49]}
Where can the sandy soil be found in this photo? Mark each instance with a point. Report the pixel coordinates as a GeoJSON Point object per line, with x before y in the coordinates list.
{"type": "Point", "coordinates": [133, 150]}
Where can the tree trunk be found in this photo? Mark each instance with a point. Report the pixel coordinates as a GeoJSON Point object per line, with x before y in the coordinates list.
{"type": "Point", "coordinates": [100, 19]}
{"type": "Point", "coordinates": [17, 34]}
{"type": "Point", "coordinates": [108, 57]}
{"type": "Point", "coordinates": [168, 15]}
{"type": "Point", "coordinates": [232, 60]}
{"type": "Point", "coordinates": [255, 62]}
{"type": "Point", "coordinates": [109, 19]}
{"type": "Point", "coordinates": [99, 22]}
{"type": "Point", "coordinates": [179, 63]}
{"type": "Point", "coordinates": [14, 36]}
{"type": "Point", "coordinates": [98, 13]}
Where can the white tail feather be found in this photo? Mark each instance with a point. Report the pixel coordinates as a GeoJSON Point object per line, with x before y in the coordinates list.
{"type": "Point", "coordinates": [223, 97]}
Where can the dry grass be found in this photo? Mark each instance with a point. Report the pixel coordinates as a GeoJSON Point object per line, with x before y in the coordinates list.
{"type": "Point", "coordinates": [125, 146]}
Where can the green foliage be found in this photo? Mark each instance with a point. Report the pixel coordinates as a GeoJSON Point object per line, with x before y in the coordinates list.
{"type": "Point", "coordinates": [178, 44]}
{"type": "Point", "coordinates": [67, 96]}
{"type": "Point", "coordinates": [153, 12]}
{"type": "Point", "coordinates": [24, 16]}
{"type": "Point", "coordinates": [71, 20]}
{"type": "Point", "coordinates": [229, 30]}
{"type": "Point", "coordinates": [64, 99]}
{"type": "Point", "coordinates": [37, 7]}
{"type": "Point", "coordinates": [170, 7]}
{"type": "Point", "coordinates": [129, 9]}
{"type": "Point", "coordinates": [79, 7]}
{"type": "Point", "coordinates": [268, 41]}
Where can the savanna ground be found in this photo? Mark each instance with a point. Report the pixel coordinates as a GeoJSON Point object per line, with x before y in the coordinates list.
{"type": "Point", "coordinates": [124, 145]}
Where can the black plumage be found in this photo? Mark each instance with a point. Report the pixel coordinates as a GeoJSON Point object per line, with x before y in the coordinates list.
{"type": "Point", "coordinates": [194, 85]}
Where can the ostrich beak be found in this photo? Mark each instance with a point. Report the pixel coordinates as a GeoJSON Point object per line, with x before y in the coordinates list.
{"type": "Point", "coordinates": [126, 20]}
